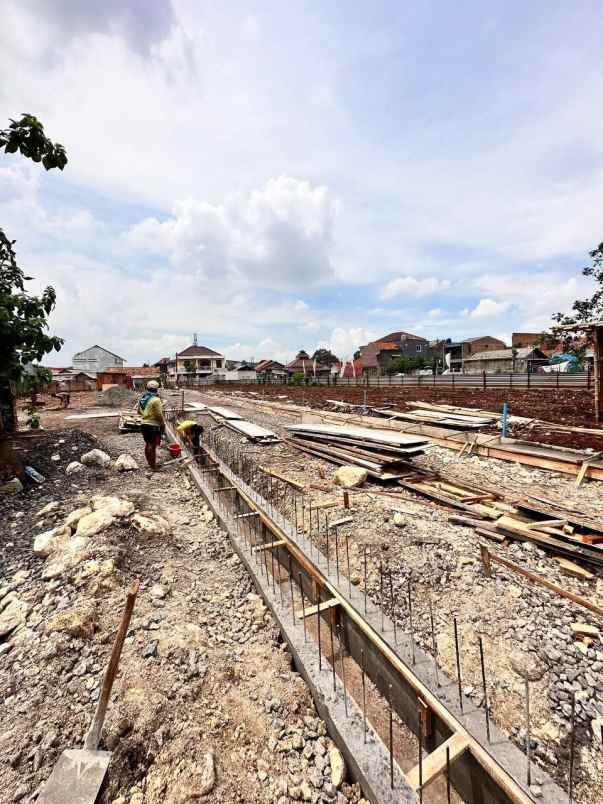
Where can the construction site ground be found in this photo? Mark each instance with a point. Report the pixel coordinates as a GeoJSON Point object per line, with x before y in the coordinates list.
{"type": "Point", "coordinates": [203, 668]}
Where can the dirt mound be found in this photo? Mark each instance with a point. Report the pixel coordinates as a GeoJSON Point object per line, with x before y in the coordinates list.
{"type": "Point", "coordinates": [116, 397]}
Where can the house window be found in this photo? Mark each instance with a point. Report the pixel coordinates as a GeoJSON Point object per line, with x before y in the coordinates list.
{"type": "Point", "coordinates": [419, 347]}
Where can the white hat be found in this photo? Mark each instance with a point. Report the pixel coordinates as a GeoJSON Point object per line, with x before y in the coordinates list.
{"type": "Point", "coordinates": [152, 385]}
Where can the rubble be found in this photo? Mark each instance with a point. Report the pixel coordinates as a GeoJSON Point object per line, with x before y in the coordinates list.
{"type": "Point", "coordinates": [349, 477]}
{"type": "Point", "coordinates": [96, 457]}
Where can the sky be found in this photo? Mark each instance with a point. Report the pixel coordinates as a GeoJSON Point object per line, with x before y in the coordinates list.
{"type": "Point", "coordinates": [276, 176]}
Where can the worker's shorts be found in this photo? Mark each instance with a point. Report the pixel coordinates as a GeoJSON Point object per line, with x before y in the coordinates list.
{"type": "Point", "coordinates": [151, 434]}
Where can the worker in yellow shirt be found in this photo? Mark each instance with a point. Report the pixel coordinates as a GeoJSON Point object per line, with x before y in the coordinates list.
{"type": "Point", "coordinates": [191, 432]}
{"type": "Point", "coordinates": [150, 409]}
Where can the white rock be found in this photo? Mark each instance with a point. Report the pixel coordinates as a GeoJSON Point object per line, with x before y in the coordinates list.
{"type": "Point", "coordinates": [96, 457]}
{"type": "Point", "coordinates": [94, 523]}
{"type": "Point", "coordinates": [125, 463]}
{"type": "Point", "coordinates": [349, 476]}
{"type": "Point", "coordinates": [153, 524]}
{"type": "Point", "coordinates": [112, 505]}
{"type": "Point", "coordinates": [74, 517]}
{"type": "Point", "coordinates": [55, 457]}
{"type": "Point", "coordinates": [52, 506]}
{"type": "Point", "coordinates": [158, 592]}
{"type": "Point", "coordinates": [50, 541]}
{"type": "Point", "coordinates": [399, 520]}
{"type": "Point", "coordinates": [338, 769]}
{"type": "Point", "coordinates": [14, 613]}
{"type": "Point", "coordinates": [73, 467]}
{"type": "Point", "coordinates": [13, 486]}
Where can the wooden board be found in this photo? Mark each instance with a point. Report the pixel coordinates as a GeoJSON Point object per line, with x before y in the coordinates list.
{"type": "Point", "coordinates": [435, 763]}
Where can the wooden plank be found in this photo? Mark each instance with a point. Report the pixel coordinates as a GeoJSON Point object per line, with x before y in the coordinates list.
{"type": "Point", "coordinates": [435, 763]}
{"type": "Point", "coordinates": [546, 523]}
{"type": "Point", "coordinates": [311, 610]}
{"type": "Point", "coordinates": [269, 546]}
{"type": "Point", "coordinates": [575, 570]}
{"type": "Point", "coordinates": [295, 483]}
{"type": "Point", "coordinates": [532, 576]}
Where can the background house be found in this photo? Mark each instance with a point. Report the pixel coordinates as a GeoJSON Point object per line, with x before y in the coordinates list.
{"type": "Point", "coordinates": [495, 361]}
{"type": "Point", "coordinates": [304, 364]}
{"type": "Point", "coordinates": [241, 372]}
{"type": "Point", "coordinates": [377, 357]}
{"type": "Point", "coordinates": [96, 359]}
{"type": "Point", "coordinates": [455, 353]}
{"type": "Point", "coordinates": [270, 369]}
{"type": "Point", "coordinates": [195, 362]}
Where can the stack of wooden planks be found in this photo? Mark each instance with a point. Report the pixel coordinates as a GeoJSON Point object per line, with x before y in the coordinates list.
{"type": "Point", "coordinates": [452, 421]}
{"type": "Point", "coordinates": [384, 454]}
{"type": "Point", "coordinates": [232, 420]}
{"type": "Point", "coordinates": [554, 529]}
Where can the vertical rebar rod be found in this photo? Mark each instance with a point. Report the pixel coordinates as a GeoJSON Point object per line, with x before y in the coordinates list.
{"type": "Point", "coordinates": [291, 590]}
{"type": "Point", "coordinates": [458, 663]}
{"type": "Point", "coordinates": [295, 506]}
{"type": "Point", "coordinates": [341, 652]}
{"type": "Point", "coordinates": [278, 564]}
{"type": "Point", "coordinates": [448, 774]}
{"type": "Point", "coordinates": [412, 630]}
{"type": "Point", "coordinates": [391, 739]}
{"type": "Point", "coordinates": [319, 640]}
{"type": "Point", "coordinates": [434, 644]}
{"type": "Point", "coordinates": [303, 600]}
{"type": "Point", "coordinates": [347, 558]}
{"type": "Point", "coordinates": [391, 591]}
{"type": "Point", "coordinates": [273, 572]}
{"type": "Point", "coordinates": [485, 688]}
{"type": "Point", "coordinates": [362, 661]}
{"type": "Point", "coordinates": [332, 651]}
{"type": "Point", "coordinates": [381, 591]}
{"type": "Point", "coordinates": [365, 579]}
{"type": "Point", "coordinates": [528, 736]}
{"type": "Point", "coordinates": [572, 748]}
{"type": "Point", "coordinates": [337, 552]}
{"type": "Point", "coordinates": [327, 546]}
{"type": "Point", "coordinates": [420, 757]}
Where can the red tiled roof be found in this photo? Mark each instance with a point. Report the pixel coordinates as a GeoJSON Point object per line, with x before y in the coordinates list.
{"type": "Point", "coordinates": [198, 351]}
{"type": "Point", "coordinates": [264, 364]}
{"type": "Point", "coordinates": [384, 346]}
{"type": "Point", "coordinates": [394, 337]}
{"type": "Point", "coordinates": [139, 371]}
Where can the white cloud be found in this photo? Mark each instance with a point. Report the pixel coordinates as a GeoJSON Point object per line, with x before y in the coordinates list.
{"type": "Point", "coordinates": [344, 342]}
{"type": "Point", "coordinates": [488, 308]}
{"type": "Point", "coordinates": [279, 235]}
{"type": "Point", "coordinates": [414, 288]}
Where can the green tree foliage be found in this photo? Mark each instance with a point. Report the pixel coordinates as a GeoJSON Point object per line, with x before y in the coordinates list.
{"type": "Point", "coordinates": [23, 317]}
{"type": "Point", "coordinates": [325, 357]}
{"type": "Point", "coordinates": [27, 136]}
{"type": "Point", "coordinates": [404, 364]}
{"type": "Point", "coordinates": [189, 366]}
{"type": "Point", "coordinates": [583, 310]}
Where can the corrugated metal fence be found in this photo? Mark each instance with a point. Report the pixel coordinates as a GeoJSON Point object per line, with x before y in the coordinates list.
{"type": "Point", "coordinates": [511, 380]}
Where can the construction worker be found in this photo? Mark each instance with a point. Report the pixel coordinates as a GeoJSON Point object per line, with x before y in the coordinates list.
{"type": "Point", "coordinates": [150, 409]}
{"type": "Point", "coordinates": [191, 432]}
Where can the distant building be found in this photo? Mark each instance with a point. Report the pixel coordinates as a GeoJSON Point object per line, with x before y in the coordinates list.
{"type": "Point", "coordinates": [195, 362]}
{"type": "Point", "coordinates": [503, 361]}
{"type": "Point", "coordinates": [304, 364]}
{"type": "Point", "coordinates": [521, 339]}
{"type": "Point", "coordinates": [266, 369]}
{"type": "Point", "coordinates": [455, 353]}
{"type": "Point", "coordinates": [377, 357]}
{"type": "Point", "coordinates": [133, 377]}
{"type": "Point", "coordinates": [241, 372]}
{"type": "Point", "coordinates": [96, 359]}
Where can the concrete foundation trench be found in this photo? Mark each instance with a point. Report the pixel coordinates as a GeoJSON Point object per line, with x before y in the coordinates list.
{"type": "Point", "coordinates": [406, 730]}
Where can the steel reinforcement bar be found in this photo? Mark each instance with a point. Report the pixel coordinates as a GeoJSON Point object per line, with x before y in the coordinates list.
{"type": "Point", "coordinates": [303, 586]}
